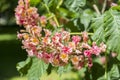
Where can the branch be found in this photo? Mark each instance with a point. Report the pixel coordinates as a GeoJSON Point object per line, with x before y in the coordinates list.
{"type": "Point", "coordinates": [53, 15]}
{"type": "Point", "coordinates": [96, 9]}
{"type": "Point", "coordinates": [77, 33]}
{"type": "Point", "coordinates": [104, 6]}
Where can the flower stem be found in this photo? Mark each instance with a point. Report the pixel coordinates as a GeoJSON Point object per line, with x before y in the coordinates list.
{"type": "Point", "coordinates": [96, 9]}
{"type": "Point", "coordinates": [106, 75]}
{"type": "Point", "coordinates": [55, 19]}
{"type": "Point", "coordinates": [77, 33]}
{"type": "Point", "coordinates": [54, 16]}
{"type": "Point", "coordinates": [104, 6]}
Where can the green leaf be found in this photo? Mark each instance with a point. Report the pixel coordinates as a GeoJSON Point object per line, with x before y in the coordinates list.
{"type": "Point", "coordinates": [81, 72]}
{"type": "Point", "coordinates": [114, 73]}
{"type": "Point", "coordinates": [63, 11]}
{"type": "Point", "coordinates": [24, 66]}
{"type": "Point", "coordinates": [118, 57]}
{"type": "Point", "coordinates": [112, 30]}
{"type": "Point", "coordinates": [46, 1]}
{"type": "Point", "coordinates": [98, 27]}
{"type": "Point", "coordinates": [116, 8]}
{"type": "Point", "coordinates": [74, 5]}
{"type": "Point", "coordinates": [37, 69]}
{"type": "Point", "coordinates": [34, 2]}
{"type": "Point", "coordinates": [63, 69]}
{"type": "Point", "coordinates": [86, 17]}
{"type": "Point", "coordinates": [107, 28]}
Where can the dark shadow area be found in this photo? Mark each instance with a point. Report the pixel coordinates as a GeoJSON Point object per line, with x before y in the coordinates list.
{"type": "Point", "coordinates": [10, 54]}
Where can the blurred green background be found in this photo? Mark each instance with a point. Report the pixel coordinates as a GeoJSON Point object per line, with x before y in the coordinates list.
{"type": "Point", "coordinates": [10, 48]}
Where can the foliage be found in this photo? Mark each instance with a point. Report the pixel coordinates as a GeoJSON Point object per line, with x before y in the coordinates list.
{"type": "Point", "coordinates": [7, 12]}
{"type": "Point", "coordinates": [102, 23]}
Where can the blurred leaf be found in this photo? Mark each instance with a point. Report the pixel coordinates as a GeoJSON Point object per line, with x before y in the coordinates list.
{"type": "Point", "coordinates": [63, 11]}
{"type": "Point", "coordinates": [86, 17]}
{"type": "Point", "coordinates": [74, 5]}
{"type": "Point", "coordinates": [118, 57]}
{"type": "Point", "coordinates": [37, 69]}
{"type": "Point", "coordinates": [64, 69]}
{"type": "Point", "coordinates": [46, 1]}
{"type": "Point", "coordinates": [114, 73]}
{"type": "Point", "coordinates": [81, 73]}
{"type": "Point", "coordinates": [116, 8]}
{"type": "Point", "coordinates": [34, 2]}
{"type": "Point", "coordinates": [24, 66]}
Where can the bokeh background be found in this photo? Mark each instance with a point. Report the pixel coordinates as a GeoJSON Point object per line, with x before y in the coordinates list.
{"type": "Point", "coordinates": [10, 48]}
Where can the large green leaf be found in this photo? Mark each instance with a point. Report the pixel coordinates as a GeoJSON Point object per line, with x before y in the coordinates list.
{"type": "Point", "coordinates": [64, 69]}
{"type": "Point", "coordinates": [108, 27]}
{"type": "Point", "coordinates": [114, 73]}
{"type": "Point", "coordinates": [98, 28]}
{"type": "Point", "coordinates": [37, 69]}
{"type": "Point", "coordinates": [86, 17]}
{"type": "Point", "coordinates": [23, 66]}
{"type": "Point", "coordinates": [112, 30]}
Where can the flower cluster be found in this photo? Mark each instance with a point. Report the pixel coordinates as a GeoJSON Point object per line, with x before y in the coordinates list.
{"type": "Point", "coordinates": [25, 14]}
{"type": "Point", "coordinates": [59, 48]}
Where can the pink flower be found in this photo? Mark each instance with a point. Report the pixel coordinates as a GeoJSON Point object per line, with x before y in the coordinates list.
{"type": "Point", "coordinates": [96, 50]}
{"type": "Point", "coordinates": [114, 4]}
{"type": "Point", "coordinates": [64, 57]}
{"type": "Point", "coordinates": [47, 32]}
{"type": "Point", "coordinates": [39, 55]}
{"type": "Point", "coordinates": [65, 35]}
{"type": "Point", "coordinates": [66, 49]}
{"type": "Point", "coordinates": [55, 61]}
{"type": "Point", "coordinates": [26, 44]}
{"type": "Point", "coordinates": [103, 47]}
{"type": "Point", "coordinates": [19, 35]}
{"type": "Point", "coordinates": [87, 53]}
{"type": "Point", "coordinates": [72, 45]}
{"type": "Point", "coordinates": [55, 39]}
{"type": "Point", "coordinates": [19, 12]}
{"type": "Point", "coordinates": [43, 20]}
{"type": "Point", "coordinates": [75, 60]}
{"type": "Point", "coordinates": [79, 66]}
{"type": "Point", "coordinates": [46, 40]}
{"type": "Point", "coordinates": [26, 15]}
{"type": "Point", "coordinates": [47, 57]}
{"type": "Point", "coordinates": [36, 30]}
{"type": "Point", "coordinates": [114, 54]}
{"type": "Point", "coordinates": [76, 39]}
{"type": "Point", "coordinates": [103, 60]}
{"type": "Point", "coordinates": [30, 52]}
{"type": "Point", "coordinates": [53, 23]}
{"type": "Point", "coordinates": [85, 45]}
{"type": "Point", "coordinates": [85, 36]}
{"type": "Point", "coordinates": [90, 64]}
{"type": "Point", "coordinates": [34, 40]}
